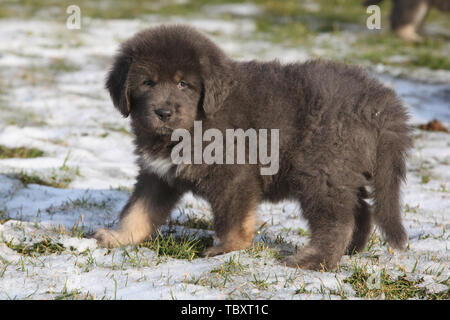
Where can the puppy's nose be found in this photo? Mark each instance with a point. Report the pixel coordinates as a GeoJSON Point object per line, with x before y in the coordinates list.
{"type": "Point", "coordinates": [163, 114]}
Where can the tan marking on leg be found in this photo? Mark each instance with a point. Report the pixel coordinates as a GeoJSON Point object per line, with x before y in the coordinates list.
{"type": "Point", "coordinates": [238, 238]}
{"type": "Point", "coordinates": [134, 227]}
{"type": "Point", "coordinates": [409, 31]}
{"type": "Point", "coordinates": [421, 13]}
{"type": "Point", "coordinates": [242, 236]}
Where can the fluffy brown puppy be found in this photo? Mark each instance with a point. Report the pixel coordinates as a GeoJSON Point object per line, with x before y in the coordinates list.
{"type": "Point", "coordinates": [339, 131]}
{"type": "Point", "coordinates": [407, 16]}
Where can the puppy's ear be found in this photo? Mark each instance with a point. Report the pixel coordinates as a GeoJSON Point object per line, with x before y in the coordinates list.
{"type": "Point", "coordinates": [217, 83]}
{"type": "Point", "coordinates": [117, 83]}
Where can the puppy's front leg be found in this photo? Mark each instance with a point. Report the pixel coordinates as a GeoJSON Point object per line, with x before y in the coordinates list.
{"type": "Point", "coordinates": [233, 235]}
{"type": "Point", "coordinates": [234, 218]}
{"type": "Point", "coordinates": [148, 207]}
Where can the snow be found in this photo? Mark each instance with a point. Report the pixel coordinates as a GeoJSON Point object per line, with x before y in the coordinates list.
{"type": "Point", "coordinates": [69, 116]}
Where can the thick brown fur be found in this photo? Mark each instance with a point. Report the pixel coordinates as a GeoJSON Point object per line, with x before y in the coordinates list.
{"type": "Point", "coordinates": [407, 16]}
{"type": "Point", "coordinates": [340, 131]}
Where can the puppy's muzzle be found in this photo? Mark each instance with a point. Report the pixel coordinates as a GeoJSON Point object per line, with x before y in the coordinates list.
{"type": "Point", "coordinates": [163, 114]}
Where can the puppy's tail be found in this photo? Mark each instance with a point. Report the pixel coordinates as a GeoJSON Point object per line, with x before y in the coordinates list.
{"type": "Point", "coordinates": [371, 2]}
{"type": "Point", "coordinates": [393, 143]}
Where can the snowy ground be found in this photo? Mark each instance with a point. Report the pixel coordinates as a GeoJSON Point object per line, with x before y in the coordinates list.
{"type": "Point", "coordinates": [52, 98]}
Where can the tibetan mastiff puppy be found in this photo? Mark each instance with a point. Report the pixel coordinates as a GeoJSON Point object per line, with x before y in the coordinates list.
{"type": "Point", "coordinates": [407, 16]}
{"type": "Point", "coordinates": [339, 132]}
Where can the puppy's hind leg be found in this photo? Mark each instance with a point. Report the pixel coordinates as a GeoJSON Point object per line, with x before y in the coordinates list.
{"type": "Point", "coordinates": [147, 209]}
{"type": "Point", "coordinates": [363, 225]}
{"type": "Point", "coordinates": [409, 33]}
{"type": "Point", "coordinates": [331, 221]}
{"type": "Point", "coordinates": [407, 18]}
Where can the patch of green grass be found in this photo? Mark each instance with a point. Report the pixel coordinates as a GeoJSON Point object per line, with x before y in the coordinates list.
{"type": "Point", "coordinates": [20, 152]}
{"type": "Point", "coordinates": [385, 47]}
{"type": "Point", "coordinates": [219, 277]}
{"type": "Point", "coordinates": [372, 242]}
{"type": "Point", "coordinates": [409, 208]}
{"type": "Point", "coordinates": [13, 115]}
{"type": "Point", "coordinates": [86, 203]}
{"type": "Point", "coordinates": [232, 266]}
{"type": "Point", "coordinates": [121, 188]}
{"type": "Point", "coordinates": [372, 286]}
{"type": "Point", "coordinates": [425, 179]}
{"type": "Point", "coordinates": [329, 15]}
{"type": "Point", "coordinates": [27, 179]}
{"type": "Point", "coordinates": [111, 9]}
{"type": "Point", "coordinates": [291, 22]}
{"type": "Point", "coordinates": [115, 128]}
{"type": "Point", "coordinates": [80, 205]}
{"type": "Point", "coordinates": [431, 61]}
{"type": "Point", "coordinates": [54, 180]}
{"type": "Point", "coordinates": [46, 246]}
{"type": "Point", "coordinates": [62, 65]}
{"type": "Point", "coordinates": [76, 231]}
{"type": "Point", "coordinates": [178, 247]}
{"type": "Point", "coordinates": [302, 289]}
{"type": "Point", "coordinates": [37, 75]}
{"type": "Point", "coordinates": [64, 167]}
{"type": "Point", "coordinates": [287, 32]}
{"type": "Point", "coordinates": [258, 250]}
{"type": "Point", "coordinates": [196, 223]}
{"type": "Point", "coordinates": [260, 282]}
{"type": "Point", "coordinates": [58, 178]}
{"type": "Point", "coordinates": [382, 47]}
{"type": "Point", "coordinates": [438, 17]}
{"type": "Point", "coordinates": [74, 295]}
{"type": "Point", "coordinates": [302, 232]}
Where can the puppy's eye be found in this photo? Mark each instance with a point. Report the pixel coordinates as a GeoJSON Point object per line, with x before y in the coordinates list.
{"type": "Point", "coordinates": [182, 84]}
{"type": "Point", "coordinates": [149, 83]}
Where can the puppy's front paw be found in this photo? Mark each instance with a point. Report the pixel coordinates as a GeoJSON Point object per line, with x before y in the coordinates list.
{"type": "Point", "coordinates": [107, 238]}
{"type": "Point", "coordinates": [290, 261]}
{"type": "Point", "coordinates": [214, 251]}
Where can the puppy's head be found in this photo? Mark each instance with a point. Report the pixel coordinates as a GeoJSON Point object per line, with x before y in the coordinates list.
{"type": "Point", "coordinates": [167, 77]}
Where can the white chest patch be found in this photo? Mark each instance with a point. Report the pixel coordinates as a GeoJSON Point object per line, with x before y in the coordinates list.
{"type": "Point", "coordinates": [160, 166]}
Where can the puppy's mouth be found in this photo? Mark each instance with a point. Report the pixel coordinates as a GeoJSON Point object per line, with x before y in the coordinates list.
{"type": "Point", "coordinates": [164, 130]}
{"type": "Point", "coordinates": [150, 128]}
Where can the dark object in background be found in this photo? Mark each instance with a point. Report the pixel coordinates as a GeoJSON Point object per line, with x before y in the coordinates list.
{"type": "Point", "coordinates": [339, 132]}
{"type": "Point", "coordinates": [434, 125]}
{"type": "Point", "coordinates": [407, 16]}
